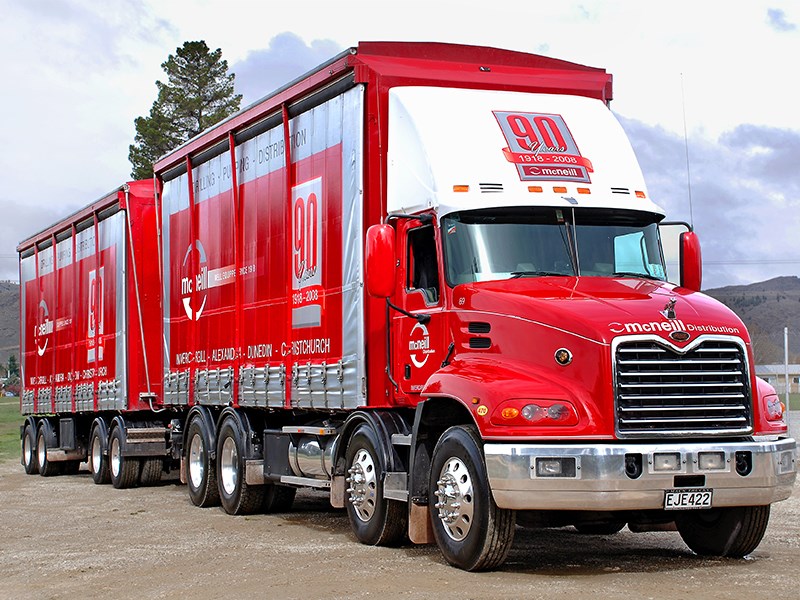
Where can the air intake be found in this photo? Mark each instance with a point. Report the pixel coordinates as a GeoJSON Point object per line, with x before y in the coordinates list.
{"type": "Point", "coordinates": [480, 343]}
{"type": "Point", "coordinates": [479, 327]}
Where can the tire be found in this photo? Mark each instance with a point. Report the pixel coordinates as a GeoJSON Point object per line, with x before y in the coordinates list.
{"type": "Point", "coordinates": [124, 470]}
{"type": "Point", "coordinates": [98, 461]}
{"type": "Point", "coordinates": [374, 520]}
{"type": "Point", "coordinates": [600, 528]}
{"type": "Point", "coordinates": [278, 498]}
{"type": "Point", "coordinates": [471, 531]}
{"type": "Point", "coordinates": [151, 470]}
{"type": "Point", "coordinates": [29, 455]}
{"type": "Point", "coordinates": [733, 532]}
{"type": "Point", "coordinates": [46, 468]}
{"type": "Point", "coordinates": [236, 496]}
{"type": "Point", "coordinates": [201, 470]}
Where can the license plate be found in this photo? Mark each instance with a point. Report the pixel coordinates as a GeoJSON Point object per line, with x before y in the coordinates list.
{"type": "Point", "coordinates": [688, 498]}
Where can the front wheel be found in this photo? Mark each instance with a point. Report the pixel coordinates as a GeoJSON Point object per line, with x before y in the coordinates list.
{"type": "Point", "coordinates": [374, 519]}
{"type": "Point", "coordinates": [471, 531]}
{"type": "Point", "coordinates": [734, 531]}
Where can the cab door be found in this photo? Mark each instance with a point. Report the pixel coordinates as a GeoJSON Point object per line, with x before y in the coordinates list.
{"type": "Point", "coordinates": [418, 344]}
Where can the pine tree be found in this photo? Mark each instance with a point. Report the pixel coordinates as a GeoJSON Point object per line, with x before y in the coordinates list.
{"type": "Point", "coordinates": [13, 366]}
{"type": "Point", "coordinates": [198, 93]}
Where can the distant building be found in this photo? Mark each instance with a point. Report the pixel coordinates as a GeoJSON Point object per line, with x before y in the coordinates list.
{"type": "Point", "coordinates": [775, 375]}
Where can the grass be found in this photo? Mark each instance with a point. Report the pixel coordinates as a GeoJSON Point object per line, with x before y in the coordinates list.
{"type": "Point", "coordinates": [10, 420]}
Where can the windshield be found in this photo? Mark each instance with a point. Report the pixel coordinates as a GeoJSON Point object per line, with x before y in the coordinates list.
{"type": "Point", "coordinates": [487, 245]}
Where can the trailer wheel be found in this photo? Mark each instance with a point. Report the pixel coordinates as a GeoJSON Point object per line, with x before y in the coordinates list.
{"type": "Point", "coordinates": [29, 458]}
{"type": "Point", "coordinates": [151, 470]}
{"type": "Point", "coordinates": [734, 531]}
{"type": "Point", "coordinates": [46, 468]}
{"type": "Point", "coordinates": [98, 462]}
{"type": "Point", "coordinates": [471, 531]}
{"type": "Point", "coordinates": [236, 496]}
{"type": "Point", "coordinates": [374, 519]}
{"type": "Point", "coordinates": [200, 469]}
{"type": "Point", "coordinates": [124, 469]}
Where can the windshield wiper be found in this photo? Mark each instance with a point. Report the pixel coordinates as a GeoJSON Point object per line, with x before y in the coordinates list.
{"type": "Point", "coordinates": [634, 274]}
{"type": "Point", "coordinates": [518, 274]}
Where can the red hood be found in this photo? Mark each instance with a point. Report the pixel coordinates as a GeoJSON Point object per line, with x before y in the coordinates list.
{"type": "Point", "coordinates": [600, 308]}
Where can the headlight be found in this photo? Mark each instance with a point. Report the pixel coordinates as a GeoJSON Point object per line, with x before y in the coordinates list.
{"type": "Point", "coordinates": [527, 411]}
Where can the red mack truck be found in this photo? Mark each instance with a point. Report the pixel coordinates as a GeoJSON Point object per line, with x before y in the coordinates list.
{"type": "Point", "coordinates": [425, 278]}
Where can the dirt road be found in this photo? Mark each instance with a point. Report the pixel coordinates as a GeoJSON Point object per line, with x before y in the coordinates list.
{"type": "Point", "coordinates": [64, 537]}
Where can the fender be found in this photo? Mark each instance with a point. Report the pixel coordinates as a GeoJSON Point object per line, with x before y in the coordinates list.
{"type": "Point", "coordinates": [119, 421]}
{"type": "Point", "coordinates": [50, 437]}
{"type": "Point", "coordinates": [385, 424]}
{"type": "Point", "coordinates": [253, 448]}
{"type": "Point", "coordinates": [99, 423]}
{"type": "Point", "coordinates": [482, 384]}
{"type": "Point", "coordinates": [209, 428]}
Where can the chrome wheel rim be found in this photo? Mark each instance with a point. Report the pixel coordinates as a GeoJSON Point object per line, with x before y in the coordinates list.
{"type": "Point", "coordinates": [455, 494]}
{"type": "Point", "coordinates": [97, 454]}
{"type": "Point", "coordinates": [41, 451]}
{"type": "Point", "coordinates": [115, 457]}
{"type": "Point", "coordinates": [363, 485]}
{"type": "Point", "coordinates": [27, 450]}
{"type": "Point", "coordinates": [229, 468]}
{"type": "Point", "coordinates": [196, 461]}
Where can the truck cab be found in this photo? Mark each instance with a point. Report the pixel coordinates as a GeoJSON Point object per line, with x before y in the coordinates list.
{"type": "Point", "coordinates": [542, 319]}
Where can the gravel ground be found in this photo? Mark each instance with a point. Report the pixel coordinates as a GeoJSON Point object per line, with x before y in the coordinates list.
{"type": "Point", "coordinates": [64, 537]}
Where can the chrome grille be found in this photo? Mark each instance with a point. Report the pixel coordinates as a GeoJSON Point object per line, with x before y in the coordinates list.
{"type": "Point", "coordinates": [661, 392]}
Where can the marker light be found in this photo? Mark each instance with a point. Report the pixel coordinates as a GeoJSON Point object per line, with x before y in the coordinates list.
{"type": "Point", "coordinates": [535, 188]}
{"type": "Point", "coordinates": [559, 189]}
{"type": "Point", "coordinates": [641, 195]}
{"type": "Point", "coordinates": [460, 188]}
{"type": "Point", "coordinates": [584, 190]}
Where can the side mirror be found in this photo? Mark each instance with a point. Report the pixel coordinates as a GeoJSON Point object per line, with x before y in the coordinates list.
{"type": "Point", "coordinates": [380, 261]}
{"type": "Point", "coordinates": [682, 255]}
{"type": "Point", "coordinates": [691, 261]}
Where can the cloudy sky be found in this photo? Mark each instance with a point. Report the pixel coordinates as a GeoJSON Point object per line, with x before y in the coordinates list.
{"type": "Point", "coordinates": [77, 73]}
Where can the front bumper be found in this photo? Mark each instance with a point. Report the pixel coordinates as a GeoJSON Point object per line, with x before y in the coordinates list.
{"type": "Point", "coordinates": [599, 481]}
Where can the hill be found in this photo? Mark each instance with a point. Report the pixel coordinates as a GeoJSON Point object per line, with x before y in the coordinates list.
{"type": "Point", "coordinates": [765, 307]}
{"type": "Point", "coordinates": [9, 320]}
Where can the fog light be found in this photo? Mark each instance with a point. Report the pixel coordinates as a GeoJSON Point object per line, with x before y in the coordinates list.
{"type": "Point", "coordinates": [786, 462]}
{"type": "Point", "coordinates": [711, 461]}
{"type": "Point", "coordinates": [667, 461]}
{"type": "Point", "coordinates": [555, 467]}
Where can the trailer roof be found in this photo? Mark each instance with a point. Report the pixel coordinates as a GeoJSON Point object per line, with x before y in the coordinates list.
{"type": "Point", "coordinates": [412, 63]}
{"type": "Point", "coordinates": [115, 196]}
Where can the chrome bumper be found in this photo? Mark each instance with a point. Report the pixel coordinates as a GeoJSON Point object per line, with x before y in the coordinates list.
{"type": "Point", "coordinates": [599, 481]}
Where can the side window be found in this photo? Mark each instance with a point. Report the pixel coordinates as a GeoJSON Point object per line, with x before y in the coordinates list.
{"type": "Point", "coordinates": [423, 264]}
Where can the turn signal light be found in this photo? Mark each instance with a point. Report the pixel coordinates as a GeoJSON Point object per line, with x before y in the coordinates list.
{"type": "Point", "coordinates": [775, 408]}
{"type": "Point", "coordinates": [509, 412]}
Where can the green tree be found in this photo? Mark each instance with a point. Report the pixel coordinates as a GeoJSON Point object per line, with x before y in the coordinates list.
{"type": "Point", "coordinates": [13, 366]}
{"type": "Point", "coordinates": [198, 93]}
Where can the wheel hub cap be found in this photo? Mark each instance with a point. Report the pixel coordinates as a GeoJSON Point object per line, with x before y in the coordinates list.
{"type": "Point", "coordinates": [196, 463]}
{"type": "Point", "coordinates": [363, 485]}
{"type": "Point", "coordinates": [229, 466]}
{"type": "Point", "coordinates": [455, 505]}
